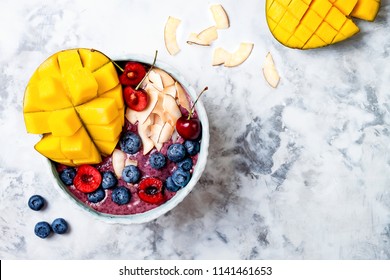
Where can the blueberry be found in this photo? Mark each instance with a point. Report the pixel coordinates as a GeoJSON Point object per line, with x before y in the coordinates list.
{"type": "Point", "coordinates": [131, 174]}
{"type": "Point", "coordinates": [96, 196]}
{"type": "Point", "coordinates": [42, 229]}
{"type": "Point", "coordinates": [130, 143]}
{"type": "Point", "coordinates": [67, 176]}
{"type": "Point", "coordinates": [109, 180]}
{"type": "Point", "coordinates": [192, 147]}
{"type": "Point", "coordinates": [170, 185]}
{"type": "Point", "coordinates": [181, 177]}
{"type": "Point", "coordinates": [157, 160]}
{"type": "Point", "coordinates": [59, 226]}
{"type": "Point", "coordinates": [36, 202]}
{"type": "Point", "coordinates": [176, 152]}
{"type": "Point", "coordinates": [185, 164]}
{"type": "Point", "coordinates": [121, 195]}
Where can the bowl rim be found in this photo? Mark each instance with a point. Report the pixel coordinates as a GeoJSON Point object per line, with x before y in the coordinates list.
{"type": "Point", "coordinates": [182, 193]}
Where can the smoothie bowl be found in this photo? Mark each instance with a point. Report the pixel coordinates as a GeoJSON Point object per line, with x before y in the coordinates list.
{"type": "Point", "coordinates": [126, 139]}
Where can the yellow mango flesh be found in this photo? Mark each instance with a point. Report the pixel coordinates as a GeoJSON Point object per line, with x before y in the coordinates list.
{"type": "Point", "coordinates": [75, 100]}
{"type": "Point", "coordinates": [307, 24]}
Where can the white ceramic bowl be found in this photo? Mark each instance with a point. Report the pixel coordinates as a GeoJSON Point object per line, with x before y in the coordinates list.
{"type": "Point", "coordinates": [182, 193]}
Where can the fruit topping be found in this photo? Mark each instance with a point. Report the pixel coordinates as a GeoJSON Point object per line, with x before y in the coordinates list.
{"type": "Point", "coordinates": [67, 175]}
{"type": "Point", "coordinates": [133, 74]}
{"type": "Point", "coordinates": [151, 190]}
{"type": "Point", "coordinates": [36, 202]}
{"type": "Point", "coordinates": [170, 185]}
{"type": "Point", "coordinates": [42, 229]}
{"type": "Point", "coordinates": [87, 179]}
{"type": "Point", "coordinates": [73, 98]}
{"type": "Point", "coordinates": [185, 164]}
{"type": "Point", "coordinates": [136, 100]}
{"type": "Point", "coordinates": [181, 177]}
{"type": "Point", "coordinates": [176, 152]}
{"type": "Point", "coordinates": [118, 162]}
{"type": "Point", "coordinates": [59, 226]}
{"type": "Point", "coordinates": [109, 180]}
{"type": "Point", "coordinates": [121, 195]}
{"type": "Point", "coordinates": [131, 174]}
{"type": "Point", "coordinates": [188, 127]}
{"type": "Point", "coordinates": [317, 23]}
{"type": "Point", "coordinates": [221, 56]}
{"type": "Point", "coordinates": [157, 160]}
{"type": "Point", "coordinates": [96, 196]}
{"type": "Point", "coordinates": [192, 147]}
{"type": "Point", "coordinates": [130, 143]}
{"type": "Point", "coordinates": [205, 37]}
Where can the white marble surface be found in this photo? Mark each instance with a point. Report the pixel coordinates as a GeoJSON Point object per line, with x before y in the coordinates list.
{"type": "Point", "coordinates": [300, 172]}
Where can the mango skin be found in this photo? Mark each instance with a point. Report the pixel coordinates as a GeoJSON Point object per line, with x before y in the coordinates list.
{"type": "Point", "coordinates": [308, 24]}
{"type": "Point", "coordinates": [65, 84]}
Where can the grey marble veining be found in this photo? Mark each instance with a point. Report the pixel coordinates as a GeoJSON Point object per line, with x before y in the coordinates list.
{"type": "Point", "coordinates": [297, 172]}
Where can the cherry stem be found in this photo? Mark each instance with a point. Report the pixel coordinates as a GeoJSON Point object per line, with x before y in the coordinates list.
{"type": "Point", "coordinates": [147, 74]}
{"type": "Point", "coordinates": [193, 105]}
{"type": "Point", "coordinates": [113, 62]}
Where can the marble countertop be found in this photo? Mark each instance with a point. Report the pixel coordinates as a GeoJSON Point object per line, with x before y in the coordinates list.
{"type": "Point", "coordinates": [297, 172]}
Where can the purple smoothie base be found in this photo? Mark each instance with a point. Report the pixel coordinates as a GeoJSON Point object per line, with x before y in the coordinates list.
{"type": "Point", "coordinates": [136, 205]}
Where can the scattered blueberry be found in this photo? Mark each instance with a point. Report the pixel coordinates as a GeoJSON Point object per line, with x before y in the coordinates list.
{"type": "Point", "coordinates": [42, 229]}
{"type": "Point", "coordinates": [130, 143]}
{"type": "Point", "coordinates": [185, 164]}
{"type": "Point", "coordinates": [192, 147]}
{"type": "Point", "coordinates": [109, 180]}
{"type": "Point", "coordinates": [36, 202]}
{"type": "Point", "coordinates": [96, 196]}
{"type": "Point", "coordinates": [170, 185]}
{"type": "Point", "coordinates": [157, 160]}
{"type": "Point", "coordinates": [181, 177]}
{"type": "Point", "coordinates": [131, 174]}
{"type": "Point", "coordinates": [121, 195]}
{"type": "Point", "coordinates": [67, 175]}
{"type": "Point", "coordinates": [59, 226]}
{"type": "Point", "coordinates": [176, 152]}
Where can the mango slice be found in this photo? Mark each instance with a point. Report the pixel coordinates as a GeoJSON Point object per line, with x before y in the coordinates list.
{"type": "Point", "coordinates": [75, 100]}
{"type": "Point", "coordinates": [308, 24]}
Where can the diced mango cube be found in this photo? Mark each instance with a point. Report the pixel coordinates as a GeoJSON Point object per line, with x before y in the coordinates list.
{"type": "Point", "coordinates": [294, 42]}
{"type": "Point", "coordinates": [284, 2]}
{"type": "Point", "coordinates": [69, 60]}
{"type": "Point", "coordinates": [326, 32]}
{"type": "Point", "coordinates": [92, 59]}
{"type": "Point", "coordinates": [345, 6]}
{"type": "Point", "coordinates": [303, 33]}
{"type": "Point", "coordinates": [314, 42]}
{"type": "Point", "coordinates": [282, 34]}
{"type": "Point", "coordinates": [93, 158]}
{"type": "Point", "coordinates": [50, 67]}
{"type": "Point", "coordinates": [271, 24]}
{"type": "Point", "coordinates": [76, 146]}
{"type": "Point", "coordinates": [289, 22]}
{"type": "Point", "coordinates": [31, 100]}
{"type": "Point", "coordinates": [98, 111]}
{"type": "Point", "coordinates": [116, 94]}
{"type": "Point", "coordinates": [297, 8]}
{"type": "Point", "coordinates": [81, 85]}
{"type": "Point", "coordinates": [64, 122]}
{"type": "Point", "coordinates": [37, 122]}
{"type": "Point", "coordinates": [50, 147]}
{"type": "Point", "coordinates": [106, 147]}
{"type": "Point", "coordinates": [321, 7]}
{"type": "Point", "coordinates": [311, 20]}
{"type": "Point", "coordinates": [106, 132]}
{"type": "Point", "coordinates": [276, 11]}
{"type": "Point", "coordinates": [366, 9]}
{"type": "Point", "coordinates": [335, 18]}
{"type": "Point", "coordinates": [52, 94]}
{"type": "Point", "coordinates": [349, 28]}
{"type": "Point", "coordinates": [106, 77]}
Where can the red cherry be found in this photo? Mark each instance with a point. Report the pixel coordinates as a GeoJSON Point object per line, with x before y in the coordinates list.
{"type": "Point", "coordinates": [133, 74]}
{"type": "Point", "coordinates": [87, 179]}
{"type": "Point", "coordinates": [188, 128]}
{"type": "Point", "coordinates": [150, 190]}
{"type": "Point", "coordinates": [136, 100]}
